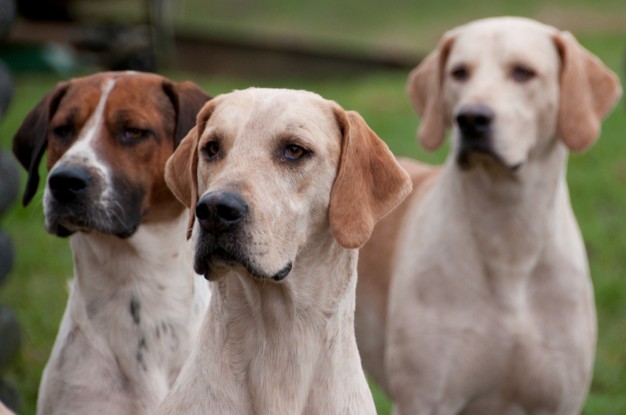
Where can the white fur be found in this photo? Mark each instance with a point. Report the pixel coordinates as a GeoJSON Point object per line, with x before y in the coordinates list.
{"type": "Point", "coordinates": [94, 364]}
{"type": "Point", "coordinates": [490, 306]}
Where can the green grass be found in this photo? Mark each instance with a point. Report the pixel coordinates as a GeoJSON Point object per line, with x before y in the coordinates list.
{"type": "Point", "coordinates": [37, 289]}
{"type": "Point", "coordinates": [404, 24]}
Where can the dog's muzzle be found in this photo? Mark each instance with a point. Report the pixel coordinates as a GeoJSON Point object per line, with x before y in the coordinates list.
{"type": "Point", "coordinates": [475, 125]}
{"type": "Point", "coordinates": [74, 203]}
{"type": "Point", "coordinates": [221, 216]}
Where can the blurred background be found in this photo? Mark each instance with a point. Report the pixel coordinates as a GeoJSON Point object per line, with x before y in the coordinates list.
{"type": "Point", "coordinates": [357, 52]}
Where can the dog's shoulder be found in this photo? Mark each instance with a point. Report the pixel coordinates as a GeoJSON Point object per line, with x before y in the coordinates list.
{"type": "Point", "coordinates": [422, 174]}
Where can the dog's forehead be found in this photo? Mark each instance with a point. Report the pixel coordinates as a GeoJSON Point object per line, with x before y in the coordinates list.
{"type": "Point", "coordinates": [273, 110]}
{"type": "Point", "coordinates": [129, 81]}
{"type": "Point", "coordinates": [505, 38]}
{"type": "Point", "coordinates": [83, 92]}
{"type": "Point", "coordinates": [126, 91]}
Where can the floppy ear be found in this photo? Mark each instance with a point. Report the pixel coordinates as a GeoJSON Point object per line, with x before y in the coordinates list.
{"type": "Point", "coordinates": [181, 169]}
{"type": "Point", "coordinates": [31, 139]}
{"type": "Point", "coordinates": [589, 90]}
{"type": "Point", "coordinates": [187, 98]}
{"type": "Point", "coordinates": [369, 183]}
{"type": "Point", "coordinates": [424, 88]}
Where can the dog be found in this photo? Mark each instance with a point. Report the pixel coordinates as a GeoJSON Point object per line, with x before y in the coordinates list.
{"type": "Point", "coordinates": [135, 305]}
{"type": "Point", "coordinates": [474, 295]}
{"type": "Point", "coordinates": [283, 186]}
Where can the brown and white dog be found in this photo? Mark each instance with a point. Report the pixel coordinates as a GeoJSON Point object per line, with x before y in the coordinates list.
{"type": "Point", "coordinates": [284, 185]}
{"type": "Point", "coordinates": [490, 305]}
{"type": "Point", "coordinates": [135, 304]}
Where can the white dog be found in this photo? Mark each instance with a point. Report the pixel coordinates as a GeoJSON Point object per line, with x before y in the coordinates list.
{"type": "Point", "coordinates": [490, 307]}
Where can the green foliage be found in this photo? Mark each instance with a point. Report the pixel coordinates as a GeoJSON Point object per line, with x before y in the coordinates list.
{"type": "Point", "coordinates": [385, 24]}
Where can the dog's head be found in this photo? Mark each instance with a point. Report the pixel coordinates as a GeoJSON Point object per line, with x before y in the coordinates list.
{"type": "Point", "coordinates": [508, 87]}
{"type": "Point", "coordinates": [108, 137]}
{"type": "Point", "coordinates": [265, 172]}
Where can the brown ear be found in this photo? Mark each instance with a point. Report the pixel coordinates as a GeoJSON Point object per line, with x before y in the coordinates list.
{"type": "Point", "coordinates": [187, 98]}
{"type": "Point", "coordinates": [589, 90]}
{"type": "Point", "coordinates": [424, 90]}
{"type": "Point", "coordinates": [31, 139]}
{"type": "Point", "coordinates": [181, 169]}
{"type": "Point", "coordinates": [369, 183]}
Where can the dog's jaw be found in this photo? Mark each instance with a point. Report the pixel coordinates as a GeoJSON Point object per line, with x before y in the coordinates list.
{"type": "Point", "coordinates": [216, 256]}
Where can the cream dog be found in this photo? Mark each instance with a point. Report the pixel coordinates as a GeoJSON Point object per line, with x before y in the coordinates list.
{"type": "Point", "coordinates": [490, 307]}
{"type": "Point", "coordinates": [289, 184]}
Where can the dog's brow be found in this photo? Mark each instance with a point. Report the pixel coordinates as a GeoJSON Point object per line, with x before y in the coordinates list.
{"type": "Point", "coordinates": [296, 134]}
{"type": "Point", "coordinates": [125, 117]}
{"type": "Point", "coordinates": [296, 130]}
{"type": "Point", "coordinates": [213, 133]}
{"type": "Point", "coordinates": [295, 126]}
{"type": "Point", "coordinates": [69, 116]}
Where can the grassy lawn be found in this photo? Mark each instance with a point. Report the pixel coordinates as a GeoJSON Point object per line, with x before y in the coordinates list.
{"type": "Point", "coordinates": [37, 289]}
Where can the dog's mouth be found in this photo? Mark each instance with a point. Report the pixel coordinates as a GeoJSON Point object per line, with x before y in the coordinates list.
{"type": "Point", "coordinates": [213, 260]}
{"type": "Point", "coordinates": [474, 154]}
{"type": "Point", "coordinates": [66, 224]}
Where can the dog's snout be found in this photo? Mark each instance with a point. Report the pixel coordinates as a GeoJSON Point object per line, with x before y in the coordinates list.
{"type": "Point", "coordinates": [475, 120]}
{"type": "Point", "coordinates": [219, 211]}
{"type": "Point", "coordinates": [68, 183]}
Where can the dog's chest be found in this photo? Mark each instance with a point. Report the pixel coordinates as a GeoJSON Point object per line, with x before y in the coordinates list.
{"type": "Point", "coordinates": [540, 357]}
{"type": "Point", "coordinates": [127, 370]}
{"type": "Point", "coordinates": [146, 332]}
{"type": "Point", "coordinates": [527, 338]}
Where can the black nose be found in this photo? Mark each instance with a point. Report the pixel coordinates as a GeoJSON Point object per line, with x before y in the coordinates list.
{"type": "Point", "coordinates": [475, 121]}
{"type": "Point", "coordinates": [68, 183]}
{"type": "Point", "coordinates": [220, 211]}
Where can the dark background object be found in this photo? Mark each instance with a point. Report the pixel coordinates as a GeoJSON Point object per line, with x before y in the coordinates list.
{"type": "Point", "coordinates": [9, 395]}
{"type": "Point", "coordinates": [7, 16]}
{"type": "Point", "coordinates": [9, 182]}
{"type": "Point", "coordinates": [6, 262]}
{"type": "Point", "coordinates": [10, 332]}
{"type": "Point", "coordinates": [44, 9]}
{"type": "Point", "coordinates": [11, 339]}
{"type": "Point", "coordinates": [6, 88]}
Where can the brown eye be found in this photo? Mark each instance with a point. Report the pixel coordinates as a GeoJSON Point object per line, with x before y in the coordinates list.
{"type": "Point", "coordinates": [63, 132]}
{"type": "Point", "coordinates": [211, 150]}
{"type": "Point", "coordinates": [131, 136]}
{"type": "Point", "coordinates": [522, 73]}
{"type": "Point", "coordinates": [294, 152]}
{"type": "Point", "coordinates": [134, 134]}
{"type": "Point", "coordinates": [460, 73]}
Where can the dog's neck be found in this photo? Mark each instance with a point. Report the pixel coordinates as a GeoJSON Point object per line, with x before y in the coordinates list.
{"type": "Point", "coordinates": [156, 255]}
{"type": "Point", "coordinates": [270, 342]}
{"type": "Point", "coordinates": [510, 214]}
{"type": "Point", "coordinates": [138, 283]}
